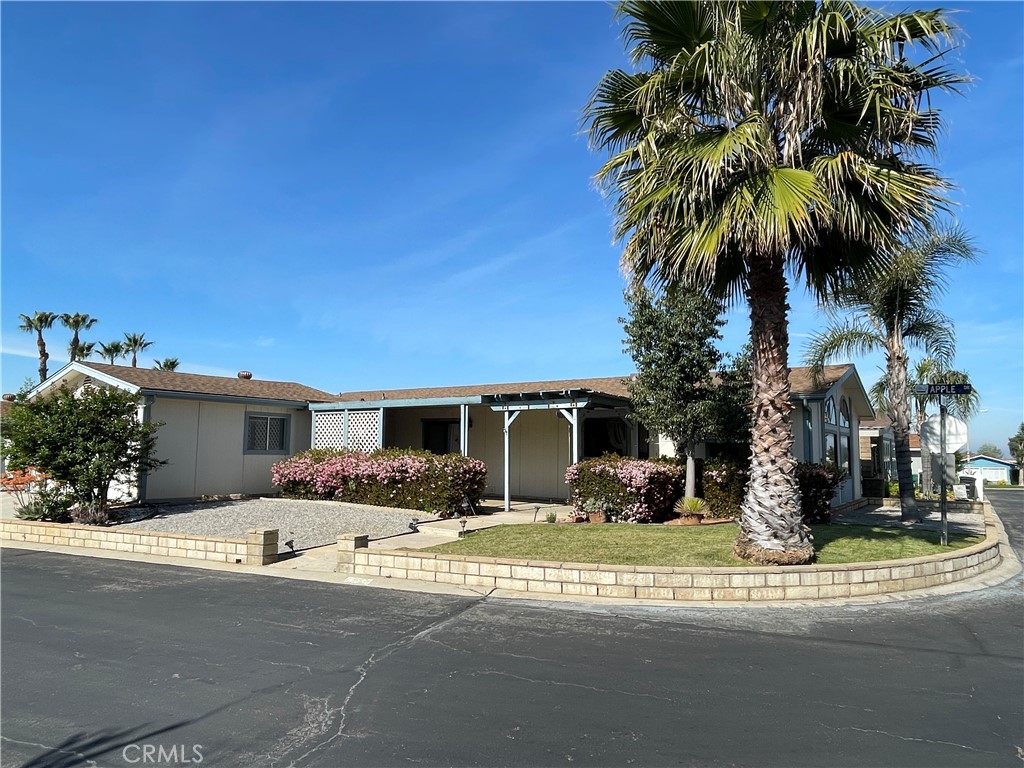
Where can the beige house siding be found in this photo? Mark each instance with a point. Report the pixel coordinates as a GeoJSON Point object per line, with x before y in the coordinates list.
{"type": "Point", "coordinates": [539, 446]}
{"type": "Point", "coordinates": [204, 445]}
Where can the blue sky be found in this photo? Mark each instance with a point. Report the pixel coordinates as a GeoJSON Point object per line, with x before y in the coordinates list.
{"type": "Point", "coordinates": [382, 195]}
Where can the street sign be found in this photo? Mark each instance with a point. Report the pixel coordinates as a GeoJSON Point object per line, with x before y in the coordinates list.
{"type": "Point", "coordinates": [943, 389]}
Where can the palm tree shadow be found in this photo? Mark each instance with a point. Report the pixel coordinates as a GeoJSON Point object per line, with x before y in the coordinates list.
{"type": "Point", "coordinates": [85, 748]}
{"type": "Point", "coordinates": [826, 534]}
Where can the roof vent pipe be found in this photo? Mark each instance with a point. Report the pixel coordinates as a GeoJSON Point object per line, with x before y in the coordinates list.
{"type": "Point", "coordinates": [10, 398]}
{"type": "Point", "coordinates": [245, 375]}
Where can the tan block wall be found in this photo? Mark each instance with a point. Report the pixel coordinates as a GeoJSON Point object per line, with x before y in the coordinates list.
{"type": "Point", "coordinates": [804, 582]}
{"type": "Point", "coordinates": [260, 548]}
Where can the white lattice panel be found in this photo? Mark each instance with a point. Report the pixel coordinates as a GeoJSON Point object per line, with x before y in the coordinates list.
{"type": "Point", "coordinates": [364, 430]}
{"type": "Point", "coordinates": [329, 430]}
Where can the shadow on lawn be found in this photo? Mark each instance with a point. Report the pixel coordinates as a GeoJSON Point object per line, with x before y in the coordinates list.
{"type": "Point", "coordinates": [827, 534]}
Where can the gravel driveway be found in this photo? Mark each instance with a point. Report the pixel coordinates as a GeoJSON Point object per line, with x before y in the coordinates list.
{"type": "Point", "coordinates": [307, 523]}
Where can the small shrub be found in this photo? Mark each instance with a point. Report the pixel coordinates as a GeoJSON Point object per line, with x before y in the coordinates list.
{"type": "Point", "coordinates": [50, 504]}
{"type": "Point", "coordinates": [893, 489]}
{"type": "Point", "coordinates": [691, 505]}
{"type": "Point", "coordinates": [818, 483]}
{"type": "Point", "coordinates": [550, 517]}
{"type": "Point", "coordinates": [90, 514]}
{"type": "Point", "coordinates": [627, 490]}
{"type": "Point", "coordinates": [725, 483]}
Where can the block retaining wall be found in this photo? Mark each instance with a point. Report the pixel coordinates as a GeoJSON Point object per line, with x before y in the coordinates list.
{"type": "Point", "coordinates": [258, 548]}
{"type": "Point", "coordinates": [802, 582]}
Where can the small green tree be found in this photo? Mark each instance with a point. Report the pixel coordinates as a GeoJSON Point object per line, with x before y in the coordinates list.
{"type": "Point", "coordinates": [991, 450]}
{"type": "Point", "coordinates": [1016, 446]}
{"type": "Point", "coordinates": [671, 338]}
{"type": "Point", "coordinates": [84, 440]}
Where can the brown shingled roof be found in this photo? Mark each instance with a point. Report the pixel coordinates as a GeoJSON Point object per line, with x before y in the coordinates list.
{"type": "Point", "coordinates": [194, 383]}
{"type": "Point", "coordinates": [801, 382]}
{"type": "Point", "coordinates": [611, 385]}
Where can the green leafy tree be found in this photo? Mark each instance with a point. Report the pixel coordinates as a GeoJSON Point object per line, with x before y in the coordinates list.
{"type": "Point", "coordinates": [759, 141]}
{"type": "Point", "coordinates": [37, 323]}
{"type": "Point", "coordinates": [112, 352]}
{"type": "Point", "coordinates": [671, 339]}
{"type": "Point", "coordinates": [993, 451]}
{"type": "Point", "coordinates": [84, 440]}
{"type": "Point", "coordinates": [76, 323]}
{"type": "Point", "coordinates": [135, 343]}
{"type": "Point", "coordinates": [889, 311]}
{"type": "Point", "coordinates": [1016, 446]}
{"type": "Point", "coordinates": [167, 364]}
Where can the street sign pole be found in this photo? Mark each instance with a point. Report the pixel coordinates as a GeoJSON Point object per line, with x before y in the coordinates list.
{"type": "Point", "coordinates": [942, 462]}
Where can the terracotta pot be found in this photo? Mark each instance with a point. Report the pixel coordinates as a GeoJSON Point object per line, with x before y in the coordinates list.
{"type": "Point", "coordinates": [690, 519]}
{"type": "Point", "coordinates": [597, 517]}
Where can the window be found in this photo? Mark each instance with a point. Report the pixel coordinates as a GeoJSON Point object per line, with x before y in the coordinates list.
{"type": "Point", "coordinates": [830, 411]}
{"type": "Point", "coordinates": [441, 436]}
{"type": "Point", "coordinates": [844, 413]}
{"type": "Point", "coordinates": [266, 433]}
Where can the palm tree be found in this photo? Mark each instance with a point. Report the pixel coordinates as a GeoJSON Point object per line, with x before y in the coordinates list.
{"type": "Point", "coordinates": [112, 351]}
{"type": "Point", "coordinates": [889, 311]}
{"type": "Point", "coordinates": [167, 364]}
{"type": "Point", "coordinates": [37, 323]}
{"type": "Point", "coordinates": [85, 349]}
{"type": "Point", "coordinates": [135, 343]}
{"type": "Point", "coordinates": [764, 140]}
{"type": "Point", "coordinates": [75, 323]}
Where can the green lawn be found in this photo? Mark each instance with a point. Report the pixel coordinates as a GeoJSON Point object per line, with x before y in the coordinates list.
{"type": "Point", "coordinates": [706, 545]}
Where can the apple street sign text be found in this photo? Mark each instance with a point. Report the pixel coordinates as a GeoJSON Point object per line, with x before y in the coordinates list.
{"type": "Point", "coordinates": [943, 389]}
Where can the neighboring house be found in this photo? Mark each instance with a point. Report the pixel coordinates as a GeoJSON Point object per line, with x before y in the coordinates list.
{"type": "Point", "coordinates": [529, 433]}
{"type": "Point", "coordinates": [877, 456]}
{"type": "Point", "coordinates": [988, 469]}
{"type": "Point", "coordinates": [219, 436]}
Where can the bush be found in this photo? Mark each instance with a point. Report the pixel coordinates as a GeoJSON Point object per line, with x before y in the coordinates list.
{"type": "Point", "coordinates": [389, 477]}
{"type": "Point", "coordinates": [50, 504]}
{"type": "Point", "coordinates": [818, 483]}
{"type": "Point", "coordinates": [90, 514]}
{"type": "Point", "coordinates": [725, 483]}
{"type": "Point", "coordinates": [631, 490]}
{"type": "Point", "coordinates": [893, 489]}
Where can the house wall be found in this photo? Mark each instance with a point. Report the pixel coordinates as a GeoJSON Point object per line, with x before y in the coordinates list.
{"type": "Point", "coordinates": [204, 445]}
{"type": "Point", "coordinates": [539, 446]}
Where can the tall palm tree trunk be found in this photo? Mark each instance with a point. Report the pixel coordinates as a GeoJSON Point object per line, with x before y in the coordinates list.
{"type": "Point", "coordinates": [771, 527]}
{"type": "Point", "coordinates": [43, 355]}
{"type": "Point", "coordinates": [899, 412]}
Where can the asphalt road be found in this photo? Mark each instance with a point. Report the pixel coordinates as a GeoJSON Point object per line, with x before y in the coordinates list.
{"type": "Point", "coordinates": [102, 659]}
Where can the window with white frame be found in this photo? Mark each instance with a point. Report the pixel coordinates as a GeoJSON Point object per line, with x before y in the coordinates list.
{"type": "Point", "coordinates": [267, 432]}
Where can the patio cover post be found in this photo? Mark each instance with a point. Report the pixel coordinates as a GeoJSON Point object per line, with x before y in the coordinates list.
{"type": "Point", "coordinates": [510, 416]}
{"type": "Point", "coordinates": [572, 416]}
{"type": "Point", "coordinates": [464, 429]}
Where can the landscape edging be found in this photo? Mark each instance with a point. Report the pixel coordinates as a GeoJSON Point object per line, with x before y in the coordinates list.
{"type": "Point", "coordinates": [258, 548]}
{"type": "Point", "coordinates": [755, 583]}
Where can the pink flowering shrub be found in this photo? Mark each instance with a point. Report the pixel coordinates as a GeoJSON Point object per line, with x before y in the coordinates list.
{"type": "Point", "coordinates": [725, 483]}
{"type": "Point", "coordinates": [388, 478]}
{"type": "Point", "coordinates": [630, 490]}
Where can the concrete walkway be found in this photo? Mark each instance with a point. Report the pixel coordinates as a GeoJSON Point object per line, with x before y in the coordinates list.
{"type": "Point", "coordinates": [430, 533]}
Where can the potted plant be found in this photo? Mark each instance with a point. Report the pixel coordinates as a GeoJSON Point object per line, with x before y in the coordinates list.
{"type": "Point", "coordinates": [691, 510]}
